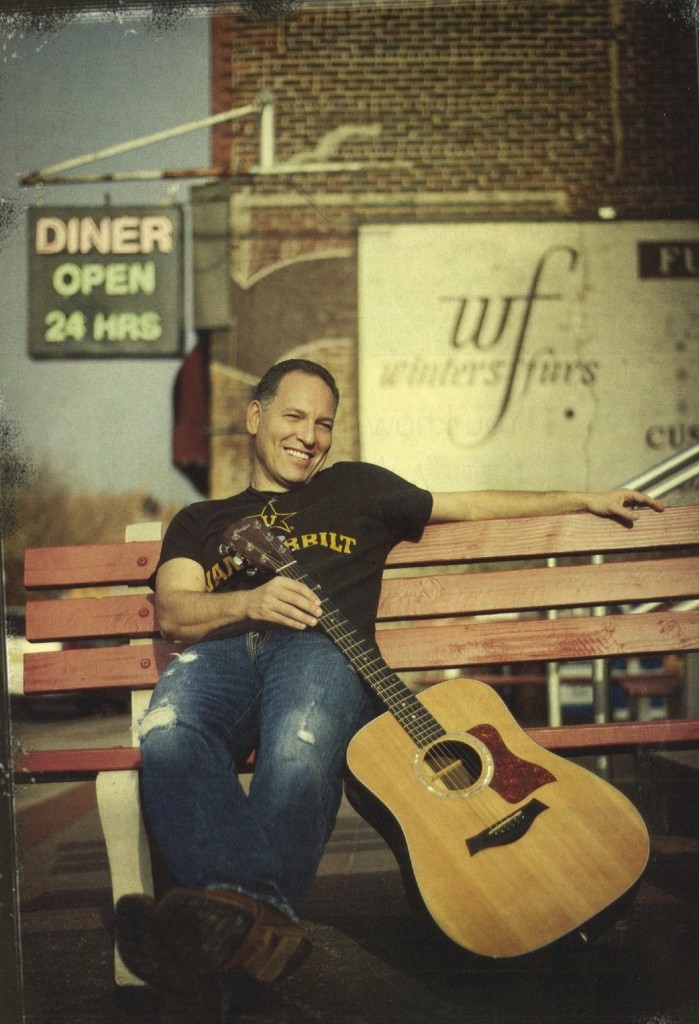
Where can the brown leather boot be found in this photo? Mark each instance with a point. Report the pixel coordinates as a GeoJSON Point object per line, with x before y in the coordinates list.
{"type": "Point", "coordinates": [216, 931]}
{"type": "Point", "coordinates": [143, 947]}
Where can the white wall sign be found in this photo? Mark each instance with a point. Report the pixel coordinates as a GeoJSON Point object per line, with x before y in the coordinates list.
{"type": "Point", "coordinates": [528, 355]}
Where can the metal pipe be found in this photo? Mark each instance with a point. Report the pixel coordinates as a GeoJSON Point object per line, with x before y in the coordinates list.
{"type": "Point", "coordinates": [144, 140]}
{"type": "Point", "coordinates": [689, 605]}
{"type": "Point", "coordinates": [601, 697]}
{"type": "Point", "coordinates": [680, 460]}
{"type": "Point", "coordinates": [673, 482]}
{"type": "Point", "coordinates": [36, 178]}
{"type": "Point", "coordinates": [553, 679]}
{"type": "Point", "coordinates": [10, 932]}
{"type": "Point", "coordinates": [267, 130]}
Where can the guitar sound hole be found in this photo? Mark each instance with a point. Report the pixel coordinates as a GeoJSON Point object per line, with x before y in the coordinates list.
{"type": "Point", "coordinates": [454, 766]}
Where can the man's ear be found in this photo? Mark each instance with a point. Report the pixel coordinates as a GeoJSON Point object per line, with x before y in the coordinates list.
{"type": "Point", "coordinates": [253, 417]}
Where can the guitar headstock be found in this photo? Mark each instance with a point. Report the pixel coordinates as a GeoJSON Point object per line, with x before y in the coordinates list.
{"type": "Point", "coordinates": [252, 541]}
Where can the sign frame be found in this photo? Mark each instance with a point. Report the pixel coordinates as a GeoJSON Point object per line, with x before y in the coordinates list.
{"type": "Point", "coordinates": [105, 281]}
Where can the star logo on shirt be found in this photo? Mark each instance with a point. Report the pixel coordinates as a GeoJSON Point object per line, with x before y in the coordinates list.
{"type": "Point", "coordinates": [274, 520]}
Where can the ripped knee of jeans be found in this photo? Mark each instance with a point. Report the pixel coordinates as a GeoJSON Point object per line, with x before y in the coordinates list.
{"type": "Point", "coordinates": [187, 656]}
{"type": "Point", "coordinates": [180, 659]}
{"type": "Point", "coordinates": [164, 716]}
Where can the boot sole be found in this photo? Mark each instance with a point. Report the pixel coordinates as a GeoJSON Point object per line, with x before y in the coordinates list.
{"type": "Point", "coordinates": [143, 948]}
{"type": "Point", "coordinates": [215, 936]}
{"type": "Point", "coordinates": [204, 933]}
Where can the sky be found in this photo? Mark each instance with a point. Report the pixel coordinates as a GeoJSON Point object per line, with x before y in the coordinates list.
{"type": "Point", "coordinates": [103, 425]}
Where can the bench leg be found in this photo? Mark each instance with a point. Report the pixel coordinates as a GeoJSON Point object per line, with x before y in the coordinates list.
{"type": "Point", "coordinates": [125, 836]}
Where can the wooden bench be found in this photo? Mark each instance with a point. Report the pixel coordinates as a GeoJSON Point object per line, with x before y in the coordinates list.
{"type": "Point", "coordinates": [469, 599]}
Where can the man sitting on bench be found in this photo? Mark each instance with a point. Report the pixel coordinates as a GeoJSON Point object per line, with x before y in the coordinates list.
{"type": "Point", "coordinates": [257, 675]}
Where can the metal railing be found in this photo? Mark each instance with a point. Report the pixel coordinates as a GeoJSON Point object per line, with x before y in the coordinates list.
{"type": "Point", "coordinates": [669, 474]}
{"type": "Point", "coordinates": [659, 480]}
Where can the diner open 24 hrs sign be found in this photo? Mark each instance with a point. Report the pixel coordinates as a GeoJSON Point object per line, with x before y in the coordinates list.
{"type": "Point", "coordinates": [105, 281]}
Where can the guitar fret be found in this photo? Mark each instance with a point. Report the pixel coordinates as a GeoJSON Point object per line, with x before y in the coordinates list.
{"type": "Point", "coordinates": [408, 711]}
{"type": "Point", "coordinates": [364, 657]}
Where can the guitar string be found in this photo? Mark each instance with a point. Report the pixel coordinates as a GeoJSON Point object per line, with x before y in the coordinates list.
{"type": "Point", "coordinates": [445, 759]}
{"type": "Point", "coordinates": [359, 652]}
{"type": "Point", "coordinates": [448, 760]}
{"type": "Point", "coordinates": [410, 713]}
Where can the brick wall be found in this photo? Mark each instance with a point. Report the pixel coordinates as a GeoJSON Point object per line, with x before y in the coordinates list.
{"type": "Point", "coordinates": [597, 99]}
{"type": "Point", "coordinates": [481, 109]}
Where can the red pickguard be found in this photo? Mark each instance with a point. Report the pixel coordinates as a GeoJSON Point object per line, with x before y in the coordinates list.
{"type": "Point", "coordinates": [513, 778]}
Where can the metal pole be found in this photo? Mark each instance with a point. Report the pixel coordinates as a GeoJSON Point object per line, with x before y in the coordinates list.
{"type": "Point", "coordinates": [553, 680]}
{"type": "Point", "coordinates": [679, 462]}
{"type": "Point", "coordinates": [144, 140]}
{"type": "Point", "coordinates": [10, 938]}
{"type": "Point", "coordinates": [267, 129]}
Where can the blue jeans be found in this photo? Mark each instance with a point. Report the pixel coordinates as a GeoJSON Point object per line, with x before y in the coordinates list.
{"type": "Point", "coordinates": [293, 698]}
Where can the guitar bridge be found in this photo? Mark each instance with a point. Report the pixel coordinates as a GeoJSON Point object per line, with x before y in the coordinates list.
{"type": "Point", "coordinates": [508, 829]}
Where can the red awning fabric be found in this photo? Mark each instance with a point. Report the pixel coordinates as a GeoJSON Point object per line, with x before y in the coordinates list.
{"type": "Point", "coordinates": [190, 439]}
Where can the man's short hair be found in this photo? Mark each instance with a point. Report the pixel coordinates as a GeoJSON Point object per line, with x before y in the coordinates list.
{"type": "Point", "coordinates": [269, 383]}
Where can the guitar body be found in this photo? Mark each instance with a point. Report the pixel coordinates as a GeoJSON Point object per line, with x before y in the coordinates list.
{"type": "Point", "coordinates": [511, 847]}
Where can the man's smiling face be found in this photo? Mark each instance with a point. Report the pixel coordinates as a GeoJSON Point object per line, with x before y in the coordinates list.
{"type": "Point", "coordinates": [292, 432]}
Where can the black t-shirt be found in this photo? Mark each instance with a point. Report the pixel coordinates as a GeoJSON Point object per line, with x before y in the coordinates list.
{"type": "Point", "coordinates": [340, 527]}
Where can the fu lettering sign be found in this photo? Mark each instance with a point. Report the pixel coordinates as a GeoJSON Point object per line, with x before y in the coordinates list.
{"type": "Point", "coordinates": [105, 281]}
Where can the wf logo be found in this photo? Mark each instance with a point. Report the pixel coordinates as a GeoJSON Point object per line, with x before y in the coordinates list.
{"type": "Point", "coordinates": [485, 324]}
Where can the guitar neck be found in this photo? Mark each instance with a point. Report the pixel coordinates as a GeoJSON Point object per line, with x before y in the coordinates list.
{"type": "Point", "coordinates": [366, 660]}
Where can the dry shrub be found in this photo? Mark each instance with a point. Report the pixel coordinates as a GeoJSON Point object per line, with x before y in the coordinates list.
{"type": "Point", "coordinates": [49, 515]}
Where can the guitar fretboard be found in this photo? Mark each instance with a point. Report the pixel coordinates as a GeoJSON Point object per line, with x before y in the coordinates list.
{"type": "Point", "coordinates": [366, 660]}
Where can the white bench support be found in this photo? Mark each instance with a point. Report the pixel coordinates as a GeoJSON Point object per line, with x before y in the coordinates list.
{"type": "Point", "coordinates": [119, 803]}
{"type": "Point", "coordinates": [127, 845]}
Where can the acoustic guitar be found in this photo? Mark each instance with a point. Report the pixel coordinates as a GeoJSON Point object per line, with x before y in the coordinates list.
{"type": "Point", "coordinates": [508, 846]}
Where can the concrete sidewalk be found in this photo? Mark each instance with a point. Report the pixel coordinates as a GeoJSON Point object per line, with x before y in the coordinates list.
{"type": "Point", "coordinates": [372, 962]}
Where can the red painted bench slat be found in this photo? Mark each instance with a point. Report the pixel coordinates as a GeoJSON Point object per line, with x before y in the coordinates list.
{"type": "Point", "coordinates": [567, 738]}
{"type": "Point", "coordinates": [538, 537]}
{"type": "Point", "coordinates": [448, 644]}
{"type": "Point", "coordinates": [548, 536]}
{"type": "Point", "coordinates": [488, 643]}
{"type": "Point", "coordinates": [90, 565]}
{"type": "Point", "coordinates": [82, 761]}
{"type": "Point", "coordinates": [73, 763]}
{"type": "Point", "coordinates": [529, 589]}
{"type": "Point", "coordinates": [92, 617]}
{"type": "Point", "coordinates": [133, 667]}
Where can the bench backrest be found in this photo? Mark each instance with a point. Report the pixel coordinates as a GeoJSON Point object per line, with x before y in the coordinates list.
{"type": "Point", "coordinates": [453, 589]}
